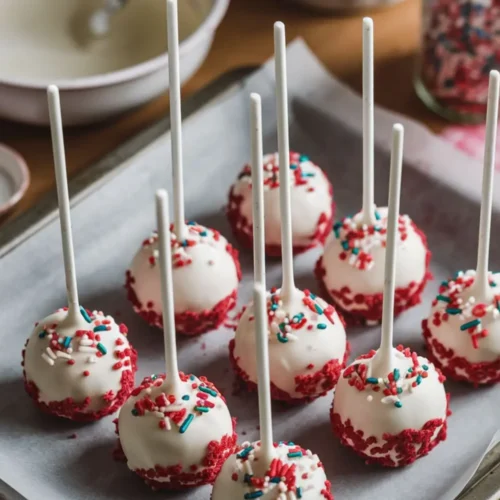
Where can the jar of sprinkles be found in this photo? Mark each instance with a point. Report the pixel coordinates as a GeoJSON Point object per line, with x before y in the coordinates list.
{"type": "Point", "coordinates": [460, 46]}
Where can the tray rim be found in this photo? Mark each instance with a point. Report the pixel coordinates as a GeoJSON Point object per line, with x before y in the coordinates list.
{"type": "Point", "coordinates": [484, 485]}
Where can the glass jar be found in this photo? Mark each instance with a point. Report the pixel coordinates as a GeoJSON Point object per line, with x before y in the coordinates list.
{"type": "Point", "coordinates": [460, 45]}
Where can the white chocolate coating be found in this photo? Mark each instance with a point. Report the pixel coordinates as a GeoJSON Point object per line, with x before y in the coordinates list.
{"type": "Point", "coordinates": [466, 308]}
{"type": "Point", "coordinates": [81, 370]}
{"type": "Point", "coordinates": [374, 413]}
{"type": "Point", "coordinates": [308, 200]}
{"type": "Point", "coordinates": [367, 277]}
{"type": "Point", "coordinates": [203, 274]}
{"type": "Point", "coordinates": [308, 345]}
{"type": "Point", "coordinates": [153, 438]}
{"type": "Point", "coordinates": [309, 475]}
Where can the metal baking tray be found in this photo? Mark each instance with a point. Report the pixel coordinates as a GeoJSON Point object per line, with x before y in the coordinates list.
{"type": "Point", "coordinates": [485, 485]}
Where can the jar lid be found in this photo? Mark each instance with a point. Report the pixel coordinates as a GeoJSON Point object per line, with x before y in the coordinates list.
{"type": "Point", "coordinates": [14, 178]}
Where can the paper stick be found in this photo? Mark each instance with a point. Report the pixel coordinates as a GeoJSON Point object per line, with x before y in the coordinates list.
{"type": "Point", "coordinates": [63, 200]}
{"type": "Point", "coordinates": [167, 293]}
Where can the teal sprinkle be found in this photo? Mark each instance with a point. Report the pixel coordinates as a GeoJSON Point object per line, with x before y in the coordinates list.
{"type": "Point", "coordinates": [299, 492]}
{"type": "Point", "coordinates": [85, 315]}
{"type": "Point", "coordinates": [191, 223]}
{"type": "Point", "coordinates": [337, 234]}
{"type": "Point", "coordinates": [398, 404]}
{"type": "Point", "coordinates": [470, 324]}
{"type": "Point", "coordinates": [419, 379]}
{"type": "Point", "coordinates": [312, 295]}
{"type": "Point", "coordinates": [66, 342]}
{"type": "Point", "coordinates": [274, 307]}
{"type": "Point", "coordinates": [425, 367]}
{"type": "Point", "coordinates": [247, 478]}
{"type": "Point", "coordinates": [208, 391]}
{"type": "Point", "coordinates": [275, 480]}
{"type": "Point", "coordinates": [295, 454]}
{"type": "Point", "coordinates": [134, 412]}
{"type": "Point", "coordinates": [244, 453]}
{"type": "Point", "coordinates": [184, 243]}
{"type": "Point", "coordinates": [444, 283]}
{"type": "Point", "coordinates": [102, 348]}
{"type": "Point", "coordinates": [399, 390]}
{"type": "Point", "coordinates": [282, 339]}
{"type": "Point", "coordinates": [303, 158]}
{"type": "Point", "coordinates": [337, 226]}
{"type": "Point", "coordinates": [345, 245]}
{"type": "Point", "coordinates": [493, 284]}
{"type": "Point", "coordinates": [453, 311]}
{"type": "Point", "coordinates": [308, 174]}
{"type": "Point", "coordinates": [202, 409]}
{"type": "Point", "coordinates": [297, 318]}
{"type": "Point", "coordinates": [372, 380]}
{"type": "Point", "coordinates": [100, 328]}
{"type": "Point", "coordinates": [456, 275]}
{"type": "Point", "coordinates": [318, 309]}
{"type": "Point", "coordinates": [186, 423]}
{"type": "Point", "coordinates": [203, 233]}
{"type": "Point", "coordinates": [396, 374]}
{"type": "Point", "coordinates": [377, 215]}
{"type": "Point", "coordinates": [410, 370]}
{"type": "Point", "coordinates": [42, 334]}
{"type": "Point", "coordinates": [443, 298]}
{"type": "Point", "coordinates": [289, 443]}
{"type": "Point", "coordinates": [192, 377]}
{"type": "Point", "coordinates": [293, 166]}
{"type": "Point", "coordinates": [355, 250]}
{"type": "Point", "coordinates": [321, 326]}
{"type": "Point", "coordinates": [253, 494]}
{"type": "Point", "coordinates": [185, 397]}
{"type": "Point", "coordinates": [498, 305]}
{"type": "Point", "coordinates": [154, 377]}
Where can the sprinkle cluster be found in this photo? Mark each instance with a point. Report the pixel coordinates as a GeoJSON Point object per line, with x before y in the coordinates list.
{"type": "Point", "coordinates": [283, 324]}
{"type": "Point", "coordinates": [87, 342]}
{"type": "Point", "coordinates": [290, 474]}
{"type": "Point", "coordinates": [461, 46]}
{"type": "Point", "coordinates": [358, 239]}
{"type": "Point", "coordinates": [395, 384]}
{"type": "Point", "coordinates": [198, 399]}
{"type": "Point", "coordinates": [471, 313]}
{"type": "Point", "coordinates": [302, 170]}
{"type": "Point", "coordinates": [196, 235]}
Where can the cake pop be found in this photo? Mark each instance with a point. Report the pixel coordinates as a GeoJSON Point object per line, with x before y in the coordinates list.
{"type": "Point", "coordinates": [390, 405]}
{"type": "Point", "coordinates": [262, 469]}
{"type": "Point", "coordinates": [77, 363]}
{"type": "Point", "coordinates": [175, 430]}
{"type": "Point", "coordinates": [463, 331]}
{"type": "Point", "coordinates": [307, 340]}
{"type": "Point", "coordinates": [351, 270]}
{"type": "Point", "coordinates": [206, 267]}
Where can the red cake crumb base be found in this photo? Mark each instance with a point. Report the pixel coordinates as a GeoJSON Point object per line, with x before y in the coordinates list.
{"type": "Point", "coordinates": [404, 298]}
{"type": "Point", "coordinates": [68, 408]}
{"type": "Point", "coordinates": [189, 322]}
{"type": "Point", "coordinates": [487, 372]}
{"type": "Point", "coordinates": [175, 477]}
{"type": "Point", "coordinates": [242, 228]}
{"type": "Point", "coordinates": [409, 444]}
{"type": "Point", "coordinates": [326, 379]}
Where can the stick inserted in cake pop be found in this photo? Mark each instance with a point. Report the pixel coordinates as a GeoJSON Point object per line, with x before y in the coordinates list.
{"type": "Point", "coordinates": [288, 286]}
{"type": "Point", "coordinates": [63, 200]}
{"type": "Point", "coordinates": [259, 260]}
{"type": "Point", "coordinates": [162, 214]}
{"type": "Point", "coordinates": [368, 124]}
{"type": "Point", "coordinates": [175, 118]}
{"type": "Point", "coordinates": [482, 288]}
{"type": "Point", "coordinates": [383, 361]}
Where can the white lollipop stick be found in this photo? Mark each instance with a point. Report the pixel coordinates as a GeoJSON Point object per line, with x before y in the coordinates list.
{"type": "Point", "coordinates": [265, 417]}
{"type": "Point", "coordinates": [383, 360]}
{"type": "Point", "coordinates": [368, 126]}
{"type": "Point", "coordinates": [482, 286]}
{"type": "Point", "coordinates": [288, 286]}
{"type": "Point", "coordinates": [175, 118]}
{"type": "Point", "coordinates": [259, 262]}
{"type": "Point", "coordinates": [167, 294]}
{"type": "Point", "coordinates": [63, 200]}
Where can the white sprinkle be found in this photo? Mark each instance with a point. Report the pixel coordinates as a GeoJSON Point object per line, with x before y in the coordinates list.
{"type": "Point", "coordinates": [50, 361]}
{"type": "Point", "coordinates": [159, 414]}
{"type": "Point", "coordinates": [61, 354]}
{"type": "Point", "coordinates": [87, 349]}
{"type": "Point", "coordinates": [369, 398]}
{"type": "Point", "coordinates": [167, 424]}
{"type": "Point", "coordinates": [86, 342]}
{"type": "Point", "coordinates": [50, 352]}
{"type": "Point", "coordinates": [92, 359]}
{"type": "Point", "coordinates": [69, 350]}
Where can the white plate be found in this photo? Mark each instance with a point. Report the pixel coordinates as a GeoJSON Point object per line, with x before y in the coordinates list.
{"type": "Point", "coordinates": [46, 42]}
{"type": "Point", "coordinates": [14, 178]}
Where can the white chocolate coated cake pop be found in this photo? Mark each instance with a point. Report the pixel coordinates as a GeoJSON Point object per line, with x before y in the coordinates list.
{"type": "Point", "coordinates": [77, 364]}
{"type": "Point", "coordinates": [206, 267]}
{"type": "Point", "coordinates": [312, 204]}
{"type": "Point", "coordinates": [175, 430]}
{"type": "Point", "coordinates": [390, 405]}
{"type": "Point", "coordinates": [351, 270]}
{"type": "Point", "coordinates": [462, 332]}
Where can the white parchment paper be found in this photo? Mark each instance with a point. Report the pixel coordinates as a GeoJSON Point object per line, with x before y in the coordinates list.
{"type": "Point", "coordinates": [440, 191]}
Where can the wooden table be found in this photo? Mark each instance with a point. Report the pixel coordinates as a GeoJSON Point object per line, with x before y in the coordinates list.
{"type": "Point", "coordinates": [245, 38]}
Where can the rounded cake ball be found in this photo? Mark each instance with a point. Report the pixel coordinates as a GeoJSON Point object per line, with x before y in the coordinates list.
{"type": "Point", "coordinates": [175, 442]}
{"type": "Point", "coordinates": [81, 370]}
{"type": "Point", "coordinates": [307, 347]}
{"type": "Point", "coordinates": [312, 205]}
{"type": "Point", "coordinates": [206, 273]}
{"type": "Point", "coordinates": [462, 332]}
{"type": "Point", "coordinates": [293, 473]}
{"type": "Point", "coordinates": [393, 420]}
{"type": "Point", "coordinates": [351, 270]}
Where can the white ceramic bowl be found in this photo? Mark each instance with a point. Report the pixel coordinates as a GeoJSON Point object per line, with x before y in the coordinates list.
{"type": "Point", "coordinates": [14, 178]}
{"type": "Point", "coordinates": [46, 42]}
